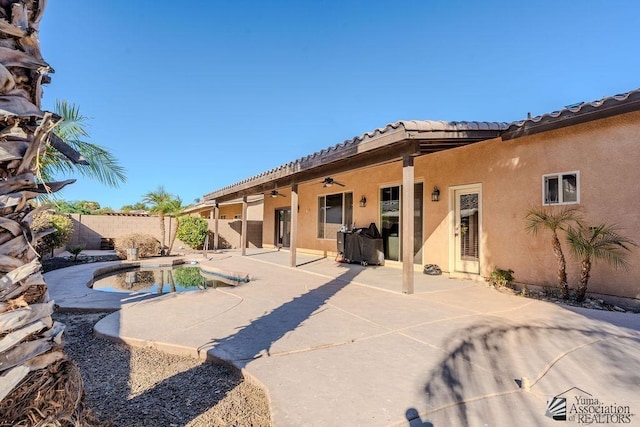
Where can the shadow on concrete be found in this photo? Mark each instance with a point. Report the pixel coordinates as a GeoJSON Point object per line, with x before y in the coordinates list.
{"type": "Point", "coordinates": [479, 379]}
{"type": "Point", "coordinates": [255, 339]}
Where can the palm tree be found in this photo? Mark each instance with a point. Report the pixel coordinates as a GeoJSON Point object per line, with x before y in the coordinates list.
{"type": "Point", "coordinates": [175, 210]}
{"type": "Point", "coordinates": [554, 221]}
{"type": "Point", "coordinates": [160, 203]}
{"type": "Point", "coordinates": [98, 163]}
{"type": "Point", "coordinates": [602, 242]}
{"type": "Point", "coordinates": [39, 385]}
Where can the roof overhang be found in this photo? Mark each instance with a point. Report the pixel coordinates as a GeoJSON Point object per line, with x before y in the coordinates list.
{"type": "Point", "coordinates": [384, 145]}
{"type": "Point", "coordinates": [573, 115]}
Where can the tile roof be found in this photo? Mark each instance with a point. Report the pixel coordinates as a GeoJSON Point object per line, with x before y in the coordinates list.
{"type": "Point", "coordinates": [420, 126]}
{"type": "Point", "coordinates": [577, 113]}
{"type": "Point", "coordinates": [445, 130]}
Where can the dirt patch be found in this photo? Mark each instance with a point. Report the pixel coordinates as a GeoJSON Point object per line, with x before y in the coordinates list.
{"type": "Point", "coordinates": [144, 387]}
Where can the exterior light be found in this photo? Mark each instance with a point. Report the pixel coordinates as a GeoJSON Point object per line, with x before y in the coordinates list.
{"type": "Point", "coordinates": [363, 202]}
{"type": "Point", "coordinates": [435, 194]}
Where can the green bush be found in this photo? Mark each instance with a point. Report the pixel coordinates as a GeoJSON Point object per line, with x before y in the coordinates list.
{"type": "Point", "coordinates": [147, 245]}
{"type": "Point", "coordinates": [188, 277]}
{"type": "Point", "coordinates": [193, 231]}
{"type": "Point", "coordinates": [501, 278]}
{"type": "Point", "coordinates": [63, 229]}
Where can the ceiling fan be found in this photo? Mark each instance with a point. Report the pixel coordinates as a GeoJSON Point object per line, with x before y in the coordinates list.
{"type": "Point", "coordinates": [328, 182]}
{"type": "Point", "coordinates": [274, 193]}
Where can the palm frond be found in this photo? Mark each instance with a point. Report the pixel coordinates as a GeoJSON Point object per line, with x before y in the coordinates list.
{"type": "Point", "coordinates": [600, 243]}
{"type": "Point", "coordinates": [102, 165]}
{"type": "Point", "coordinates": [73, 125]}
{"type": "Point", "coordinates": [550, 219]}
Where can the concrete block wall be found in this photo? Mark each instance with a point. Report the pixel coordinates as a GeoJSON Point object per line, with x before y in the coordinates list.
{"type": "Point", "coordinates": [90, 229]}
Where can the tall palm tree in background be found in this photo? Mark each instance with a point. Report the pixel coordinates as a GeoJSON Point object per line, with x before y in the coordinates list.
{"type": "Point", "coordinates": [38, 384]}
{"type": "Point", "coordinates": [602, 242]}
{"type": "Point", "coordinates": [554, 221]}
{"type": "Point", "coordinates": [161, 203]}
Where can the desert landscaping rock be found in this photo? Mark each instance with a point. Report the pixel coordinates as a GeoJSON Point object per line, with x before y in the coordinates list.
{"type": "Point", "coordinates": [143, 387]}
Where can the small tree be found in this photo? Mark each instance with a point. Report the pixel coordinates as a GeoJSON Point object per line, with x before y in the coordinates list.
{"type": "Point", "coordinates": [161, 203]}
{"type": "Point", "coordinates": [538, 219]}
{"type": "Point", "coordinates": [590, 244]}
{"type": "Point", "coordinates": [193, 231]}
{"type": "Point", "coordinates": [60, 227]}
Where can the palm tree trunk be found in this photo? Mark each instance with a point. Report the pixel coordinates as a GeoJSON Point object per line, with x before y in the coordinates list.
{"type": "Point", "coordinates": [38, 384]}
{"type": "Point", "coordinates": [562, 266]}
{"type": "Point", "coordinates": [174, 230]}
{"type": "Point", "coordinates": [585, 273]}
{"type": "Point", "coordinates": [162, 233]}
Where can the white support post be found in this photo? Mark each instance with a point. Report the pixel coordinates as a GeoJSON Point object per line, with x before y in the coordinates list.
{"type": "Point", "coordinates": [294, 226]}
{"type": "Point", "coordinates": [408, 203]}
{"type": "Point", "coordinates": [243, 236]}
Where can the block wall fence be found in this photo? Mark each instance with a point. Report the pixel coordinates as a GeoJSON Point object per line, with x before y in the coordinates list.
{"type": "Point", "coordinates": [91, 229]}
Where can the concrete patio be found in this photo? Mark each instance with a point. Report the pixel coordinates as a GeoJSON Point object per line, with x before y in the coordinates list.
{"type": "Point", "coordinates": [339, 344]}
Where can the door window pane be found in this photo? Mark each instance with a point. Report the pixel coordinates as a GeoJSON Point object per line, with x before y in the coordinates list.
{"type": "Point", "coordinates": [469, 236]}
{"type": "Point", "coordinates": [417, 223]}
{"type": "Point", "coordinates": [390, 222]}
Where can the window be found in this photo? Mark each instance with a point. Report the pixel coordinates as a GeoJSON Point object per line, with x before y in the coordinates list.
{"type": "Point", "coordinates": [334, 211]}
{"type": "Point", "coordinates": [561, 188]}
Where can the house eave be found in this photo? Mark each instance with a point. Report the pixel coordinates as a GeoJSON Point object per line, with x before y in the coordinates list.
{"type": "Point", "coordinates": [581, 113]}
{"type": "Point", "coordinates": [381, 146]}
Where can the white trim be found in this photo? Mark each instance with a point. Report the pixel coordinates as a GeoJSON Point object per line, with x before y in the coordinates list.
{"type": "Point", "coordinates": [452, 224]}
{"type": "Point", "coordinates": [560, 192]}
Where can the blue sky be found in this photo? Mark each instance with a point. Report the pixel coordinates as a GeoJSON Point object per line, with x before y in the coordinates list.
{"type": "Point", "coordinates": [198, 95]}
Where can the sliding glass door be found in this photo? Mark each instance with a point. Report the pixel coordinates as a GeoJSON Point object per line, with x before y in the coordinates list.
{"type": "Point", "coordinates": [390, 222]}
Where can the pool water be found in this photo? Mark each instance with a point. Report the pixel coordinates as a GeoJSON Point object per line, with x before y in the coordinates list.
{"type": "Point", "coordinates": [158, 280]}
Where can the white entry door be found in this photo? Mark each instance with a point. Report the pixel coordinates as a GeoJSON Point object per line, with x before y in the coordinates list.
{"type": "Point", "coordinates": [467, 228]}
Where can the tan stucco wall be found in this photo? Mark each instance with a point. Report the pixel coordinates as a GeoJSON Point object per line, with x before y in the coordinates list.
{"type": "Point", "coordinates": [605, 153]}
{"type": "Point", "coordinates": [89, 229]}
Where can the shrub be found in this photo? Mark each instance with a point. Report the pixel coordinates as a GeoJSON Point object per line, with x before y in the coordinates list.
{"type": "Point", "coordinates": [49, 220]}
{"type": "Point", "coordinates": [501, 278]}
{"type": "Point", "coordinates": [193, 231]}
{"type": "Point", "coordinates": [147, 245]}
{"type": "Point", "coordinates": [75, 251]}
{"type": "Point", "coordinates": [189, 277]}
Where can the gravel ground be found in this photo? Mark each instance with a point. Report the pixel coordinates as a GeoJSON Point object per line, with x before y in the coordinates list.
{"type": "Point", "coordinates": [143, 387]}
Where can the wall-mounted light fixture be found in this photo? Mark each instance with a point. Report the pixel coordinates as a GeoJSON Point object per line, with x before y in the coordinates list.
{"type": "Point", "coordinates": [435, 194]}
{"type": "Point", "coordinates": [363, 201]}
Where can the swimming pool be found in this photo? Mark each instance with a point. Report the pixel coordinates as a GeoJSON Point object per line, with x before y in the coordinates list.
{"type": "Point", "coordinates": [159, 280]}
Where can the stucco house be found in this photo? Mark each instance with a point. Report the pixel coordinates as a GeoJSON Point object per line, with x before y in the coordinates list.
{"type": "Point", "coordinates": [455, 194]}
